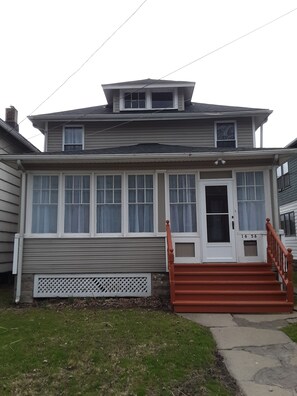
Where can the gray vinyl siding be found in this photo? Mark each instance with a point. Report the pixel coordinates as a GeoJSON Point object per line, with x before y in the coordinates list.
{"type": "Point", "coordinates": [9, 209]}
{"type": "Point", "coordinates": [116, 102]}
{"type": "Point", "coordinates": [181, 100]}
{"type": "Point", "coordinates": [198, 133]}
{"type": "Point", "coordinates": [290, 194]}
{"type": "Point", "coordinates": [94, 255]}
{"type": "Point", "coordinates": [291, 241]}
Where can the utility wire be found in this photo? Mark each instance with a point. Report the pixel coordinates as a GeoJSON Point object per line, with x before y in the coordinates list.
{"type": "Point", "coordinates": [166, 75]}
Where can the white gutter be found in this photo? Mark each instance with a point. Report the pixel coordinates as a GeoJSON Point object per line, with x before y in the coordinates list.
{"type": "Point", "coordinates": [261, 136]}
{"type": "Point", "coordinates": [21, 235]}
{"type": "Point", "coordinates": [275, 209]}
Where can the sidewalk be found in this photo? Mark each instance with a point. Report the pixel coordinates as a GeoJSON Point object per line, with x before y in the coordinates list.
{"type": "Point", "coordinates": [261, 358]}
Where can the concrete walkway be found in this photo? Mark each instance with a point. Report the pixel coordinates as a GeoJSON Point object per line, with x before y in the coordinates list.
{"type": "Point", "coordinates": [261, 358]}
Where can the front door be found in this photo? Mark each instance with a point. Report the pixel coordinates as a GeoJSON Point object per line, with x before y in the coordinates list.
{"type": "Point", "coordinates": [217, 221]}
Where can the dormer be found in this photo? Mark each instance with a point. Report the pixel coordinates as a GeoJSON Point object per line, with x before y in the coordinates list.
{"type": "Point", "coordinates": [149, 95]}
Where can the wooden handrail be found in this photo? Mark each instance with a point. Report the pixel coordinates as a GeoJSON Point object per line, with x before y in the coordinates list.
{"type": "Point", "coordinates": [281, 258]}
{"type": "Point", "coordinates": [170, 258]}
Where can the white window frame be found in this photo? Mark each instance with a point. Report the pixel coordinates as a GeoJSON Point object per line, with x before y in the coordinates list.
{"type": "Point", "coordinates": [148, 99]}
{"type": "Point", "coordinates": [109, 234]}
{"type": "Point", "coordinates": [167, 199]}
{"type": "Point", "coordinates": [82, 135]}
{"type": "Point", "coordinates": [126, 204]}
{"type": "Point", "coordinates": [216, 135]}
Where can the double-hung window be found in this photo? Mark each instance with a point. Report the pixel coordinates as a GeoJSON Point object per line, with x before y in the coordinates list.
{"type": "Point", "coordinates": [182, 197]}
{"type": "Point", "coordinates": [44, 204]}
{"type": "Point", "coordinates": [251, 201]}
{"type": "Point", "coordinates": [77, 204]}
{"type": "Point", "coordinates": [288, 223]}
{"type": "Point", "coordinates": [140, 203]}
{"type": "Point", "coordinates": [283, 176]}
{"type": "Point", "coordinates": [225, 134]}
{"type": "Point", "coordinates": [73, 138]}
{"type": "Point", "coordinates": [109, 204]}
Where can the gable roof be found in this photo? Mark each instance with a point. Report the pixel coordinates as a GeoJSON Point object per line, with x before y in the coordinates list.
{"type": "Point", "coordinates": [17, 136]}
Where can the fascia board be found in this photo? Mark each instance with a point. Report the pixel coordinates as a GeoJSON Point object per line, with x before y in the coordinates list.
{"type": "Point", "coordinates": [276, 154]}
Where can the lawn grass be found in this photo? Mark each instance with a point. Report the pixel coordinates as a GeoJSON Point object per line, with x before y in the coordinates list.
{"type": "Point", "coordinates": [54, 350]}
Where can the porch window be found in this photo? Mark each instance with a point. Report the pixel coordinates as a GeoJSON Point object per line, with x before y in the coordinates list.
{"type": "Point", "coordinates": [140, 203]}
{"type": "Point", "coordinates": [225, 133]}
{"type": "Point", "coordinates": [182, 197]}
{"type": "Point", "coordinates": [73, 138]}
{"type": "Point", "coordinates": [251, 201]}
{"type": "Point", "coordinates": [45, 204]}
{"type": "Point", "coordinates": [77, 204]}
{"type": "Point", "coordinates": [109, 204]}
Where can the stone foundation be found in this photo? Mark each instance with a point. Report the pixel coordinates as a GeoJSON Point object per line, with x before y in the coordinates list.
{"type": "Point", "coordinates": [27, 288]}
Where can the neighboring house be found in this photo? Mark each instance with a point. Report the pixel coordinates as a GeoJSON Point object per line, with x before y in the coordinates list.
{"type": "Point", "coordinates": [95, 203]}
{"type": "Point", "coordinates": [11, 142]}
{"type": "Point", "coordinates": [287, 197]}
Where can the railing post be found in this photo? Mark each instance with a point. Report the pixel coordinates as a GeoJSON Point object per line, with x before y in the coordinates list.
{"type": "Point", "coordinates": [290, 288]}
{"type": "Point", "coordinates": [170, 257]}
{"type": "Point", "coordinates": [268, 249]}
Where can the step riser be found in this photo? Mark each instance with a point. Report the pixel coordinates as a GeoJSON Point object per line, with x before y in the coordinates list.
{"type": "Point", "coordinates": [232, 309]}
{"type": "Point", "coordinates": [224, 277]}
{"type": "Point", "coordinates": [220, 268]}
{"type": "Point", "coordinates": [229, 297]}
{"type": "Point", "coordinates": [226, 287]}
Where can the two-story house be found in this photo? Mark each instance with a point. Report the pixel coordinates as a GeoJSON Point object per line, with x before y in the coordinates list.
{"type": "Point", "coordinates": [287, 196]}
{"type": "Point", "coordinates": [11, 142]}
{"type": "Point", "coordinates": [95, 203]}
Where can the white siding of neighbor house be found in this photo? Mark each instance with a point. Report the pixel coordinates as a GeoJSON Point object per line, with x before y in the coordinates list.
{"type": "Point", "coordinates": [291, 241]}
{"type": "Point", "coordinates": [9, 209]}
{"type": "Point", "coordinates": [198, 133]}
{"type": "Point", "coordinates": [94, 255]}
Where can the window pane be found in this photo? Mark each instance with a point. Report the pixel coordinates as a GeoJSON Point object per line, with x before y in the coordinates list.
{"type": "Point", "coordinates": [44, 204]}
{"type": "Point", "coordinates": [109, 219]}
{"type": "Point", "coordinates": [162, 100]}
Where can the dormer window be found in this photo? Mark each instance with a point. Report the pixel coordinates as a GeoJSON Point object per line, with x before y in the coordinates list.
{"type": "Point", "coordinates": [135, 100]}
{"type": "Point", "coordinates": [149, 99]}
{"type": "Point", "coordinates": [162, 100]}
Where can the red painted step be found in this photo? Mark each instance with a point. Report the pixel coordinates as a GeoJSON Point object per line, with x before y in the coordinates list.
{"type": "Point", "coordinates": [225, 275]}
{"type": "Point", "coordinates": [221, 267]}
{"type": "Point", "coordinates": [227, 285]}
{"type": "Point", "coordinates": [229, 295]}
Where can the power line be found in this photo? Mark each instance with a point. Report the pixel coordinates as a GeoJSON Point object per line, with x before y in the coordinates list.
{"type": "Point", "coordinates": [166, 75]}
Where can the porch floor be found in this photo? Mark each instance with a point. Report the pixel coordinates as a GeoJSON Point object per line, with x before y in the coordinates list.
{"type": "Point", "coordinates": [228, 288]}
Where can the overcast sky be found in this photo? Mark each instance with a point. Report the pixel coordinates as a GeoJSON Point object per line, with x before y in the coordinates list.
{"type": "Point", "coordinates": [44, 42]}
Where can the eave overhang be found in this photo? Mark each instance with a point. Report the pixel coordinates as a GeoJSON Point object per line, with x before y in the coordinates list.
{"type": "Point", "coordinates": [272, 156]}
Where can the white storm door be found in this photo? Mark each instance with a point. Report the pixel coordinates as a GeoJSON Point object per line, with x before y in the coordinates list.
{"type": "Point", "coordinates": [217, 215]}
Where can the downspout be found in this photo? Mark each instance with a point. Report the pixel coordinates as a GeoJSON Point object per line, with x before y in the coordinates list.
{"type": "Point", "coordinates": [21, 232]}
{"type": "Point", "coordinates": [261, 136]}
{"type": "Point", "coordinates": [275, 210]}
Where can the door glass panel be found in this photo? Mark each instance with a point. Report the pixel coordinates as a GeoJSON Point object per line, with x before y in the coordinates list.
{"type": "Point", "coordinates": [217, 216]}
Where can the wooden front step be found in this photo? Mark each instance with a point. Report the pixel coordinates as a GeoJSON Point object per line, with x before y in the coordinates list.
{"type": "Point", "coordinates": [228, 288]}
{"type": "Point", "coordinates": [233, 307]}
{"type": "Point", "coordinates": [227, 285]}
{"type": "Point", "coordinates": [230, 295]}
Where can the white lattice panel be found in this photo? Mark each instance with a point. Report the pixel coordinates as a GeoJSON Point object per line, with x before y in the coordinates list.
{"type": "Point", "coordinates": [93, 285]}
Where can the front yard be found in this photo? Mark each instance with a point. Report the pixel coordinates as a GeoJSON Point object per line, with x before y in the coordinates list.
{"type": "Point", "coordinates": [64, 349]}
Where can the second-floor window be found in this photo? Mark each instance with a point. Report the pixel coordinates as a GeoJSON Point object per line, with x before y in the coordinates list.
{"type": "Point", "coordinates": [73, 138]}
{"type": "Point", "coordinates": [283, 177]}
{"type": "Point", "coordinates": [288, 223]}
{"type": "Point", "coordinates": [135, 100]}
{"type": "Point", "coordinates": [225, 134]}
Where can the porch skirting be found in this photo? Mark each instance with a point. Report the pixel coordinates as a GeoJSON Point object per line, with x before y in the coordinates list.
{"type": "Point", "coordinates": [94, 285]}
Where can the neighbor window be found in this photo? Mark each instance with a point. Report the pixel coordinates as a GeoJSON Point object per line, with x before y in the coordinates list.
{"type": "Point", "coordinates": [225, 134]}
{"type": "Point", "coordinates": [109, 204]}
{"type": "Point", "coordinates": [141, 203]}
{"type": "Point", "coordinates": [283, 177]}
{"type": "Point", "coordinates": [162, 100]}
{"type": "Point", "coordinates": [73, 138]}
{"type": "Point", "coordinates": [288, 223]}
{"type": "Point", "coordinates": [182, 197]}
{"type": "Point", "coordinates": [251, 201]}
{"type": "Point", "coordinates": [134, 100]}
{"type": "Point", "coordinates": [77, 204]}
{"type": "Point", "coordinates": [45, 204]}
